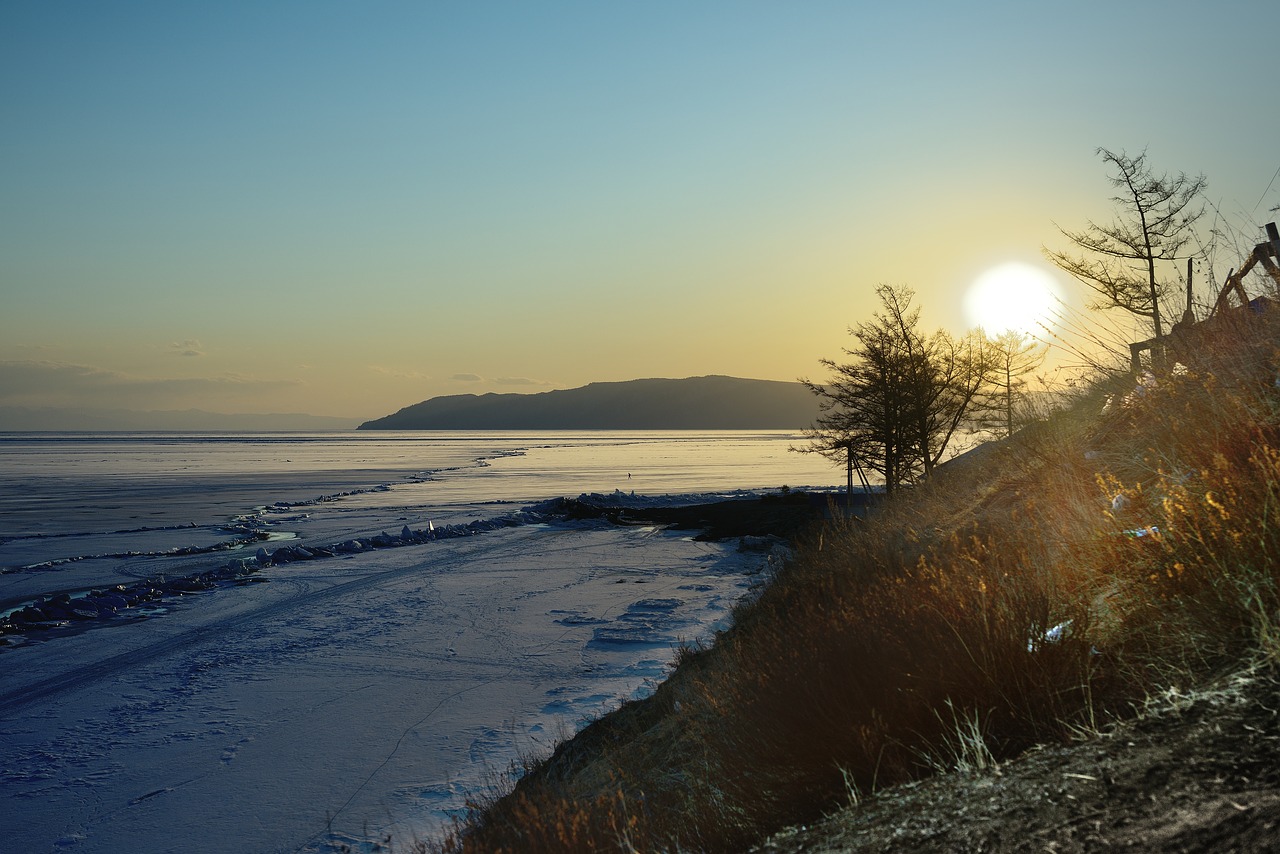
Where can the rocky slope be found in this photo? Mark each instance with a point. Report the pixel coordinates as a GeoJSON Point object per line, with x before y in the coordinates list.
{"type": "Point", "coordinates": [1197, 772]}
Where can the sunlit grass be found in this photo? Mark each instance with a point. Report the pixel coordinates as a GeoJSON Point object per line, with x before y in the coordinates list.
{"type": "Point", "coordinates": [1019, 600]}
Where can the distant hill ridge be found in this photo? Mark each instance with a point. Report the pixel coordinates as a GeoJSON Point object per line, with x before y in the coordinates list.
{"type": "Point", "coordinates": [695, 403]}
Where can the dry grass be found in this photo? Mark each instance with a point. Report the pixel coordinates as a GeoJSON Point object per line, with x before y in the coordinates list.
{"type": "Point", "coordinates": [1009, 603]}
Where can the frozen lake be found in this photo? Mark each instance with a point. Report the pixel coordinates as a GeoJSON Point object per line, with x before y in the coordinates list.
{"type": "Point", "coordinates": [330, 702]}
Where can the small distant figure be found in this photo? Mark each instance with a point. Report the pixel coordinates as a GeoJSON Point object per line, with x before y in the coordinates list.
{"type": "Point", "coordinates": [628, 475]}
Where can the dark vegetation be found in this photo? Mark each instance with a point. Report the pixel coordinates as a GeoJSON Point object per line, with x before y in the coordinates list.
{"type": "Point", "coordinates": [896, 407]}
{"type": "Point", "coordinates": [786, 515]}
{"type": "Point", "coordinates": [1020, 597]}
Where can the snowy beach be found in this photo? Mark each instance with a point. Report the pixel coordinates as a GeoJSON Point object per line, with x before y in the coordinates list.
{"type": "Point", "coordinates": [425, 622]}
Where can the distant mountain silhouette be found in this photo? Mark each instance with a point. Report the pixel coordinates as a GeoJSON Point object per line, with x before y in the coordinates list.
{"type": "Point", "coordinates": [697, 403]}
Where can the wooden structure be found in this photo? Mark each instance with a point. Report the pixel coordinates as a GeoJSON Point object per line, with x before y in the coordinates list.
{"type": "Point", "coordinates": [1263, 254]}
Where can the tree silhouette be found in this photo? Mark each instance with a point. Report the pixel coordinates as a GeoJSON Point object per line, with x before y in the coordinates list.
{"type": "Point", "coordinates": [896, 406]}
{"type": "Point", "coordinates": [1155, 216]}
{"type": "Point", "coordinates": [1013, 357]}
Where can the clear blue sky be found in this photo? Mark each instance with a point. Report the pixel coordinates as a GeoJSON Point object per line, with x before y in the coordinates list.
{"type": "Point", "coordinates": [343, 208]}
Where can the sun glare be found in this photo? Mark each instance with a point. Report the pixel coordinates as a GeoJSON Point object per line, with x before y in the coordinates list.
{"type": "Point", "coordinates": [1013, 296]}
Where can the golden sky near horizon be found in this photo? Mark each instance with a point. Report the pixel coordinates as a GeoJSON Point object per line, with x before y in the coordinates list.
{"type": "Point", "coordinates": [343, 209]}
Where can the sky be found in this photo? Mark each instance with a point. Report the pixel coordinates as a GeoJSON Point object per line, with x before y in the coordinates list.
{"type": "Point", "coordinates": [344, 208]}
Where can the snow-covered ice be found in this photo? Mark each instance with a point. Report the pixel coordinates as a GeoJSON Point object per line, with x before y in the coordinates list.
{"type": "Point", "coordinates": [345, 695]}
{"type": "Point", "coordinates": [314, 704]}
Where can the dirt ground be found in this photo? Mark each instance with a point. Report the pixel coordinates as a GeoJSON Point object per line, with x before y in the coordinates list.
{"type": "Point", "coordinates": [1197, 771]}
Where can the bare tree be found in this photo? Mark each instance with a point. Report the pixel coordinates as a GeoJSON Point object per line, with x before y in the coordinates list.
{"type": "Point", "coordinates": [896, 406]}
{"type": "Point", "coordinates": [961, 371]}
{"type": "Point", "coordinates": [1155, 216]}
{"type": "Point", "coordinates": [1013, 357]}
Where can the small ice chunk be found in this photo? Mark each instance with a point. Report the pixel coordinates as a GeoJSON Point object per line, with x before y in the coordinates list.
{"type": "Point", "coordinates": [1052, 635]}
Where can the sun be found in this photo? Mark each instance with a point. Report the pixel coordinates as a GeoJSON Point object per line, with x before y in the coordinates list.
{"type": "Point", "coordinates": [1013, 297]}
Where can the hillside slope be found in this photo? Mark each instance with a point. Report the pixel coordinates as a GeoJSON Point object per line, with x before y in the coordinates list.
{"type": "Point", "coordinates": [696, 403]}
{"type": "Point", "coordinates": [1128, 548]}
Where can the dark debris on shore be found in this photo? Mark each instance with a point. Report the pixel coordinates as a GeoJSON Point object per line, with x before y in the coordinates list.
{"type": "Point", "coordinates": [785, 515]}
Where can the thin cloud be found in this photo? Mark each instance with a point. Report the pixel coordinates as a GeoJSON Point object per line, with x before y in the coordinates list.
{"type": "Point", "coordinates": [399, 373]}
{"type": "Point", "coordinates": [190, 347]}
{"type": "Point", "coordinates": [61, 384]}
{"type": "Point", "coordinates": [518, 381]}
{"type": "Point", "coordinates": [504, 381]}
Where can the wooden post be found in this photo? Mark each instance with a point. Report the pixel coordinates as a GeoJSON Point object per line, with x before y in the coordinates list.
{"type": "Point", "coordinates": [1273, 235]}
{"type": "Point", "coordinates": [1189, 284]}
{"type": "Point", "coordinates": [1188, 316]}
{"type": "Point", "coordinates": [848, 494]}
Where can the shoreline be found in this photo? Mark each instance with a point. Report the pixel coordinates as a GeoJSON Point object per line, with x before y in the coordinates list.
{"type": "Point", "coordinates": [782, 516]}
{"type": "Point", "coordinates": [424, 648]}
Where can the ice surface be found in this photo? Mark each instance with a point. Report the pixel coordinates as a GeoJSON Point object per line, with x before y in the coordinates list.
{"type": "Point", "coordinates": [319, 703]}
{"type": "Point", "coordinates": [366, 691]}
